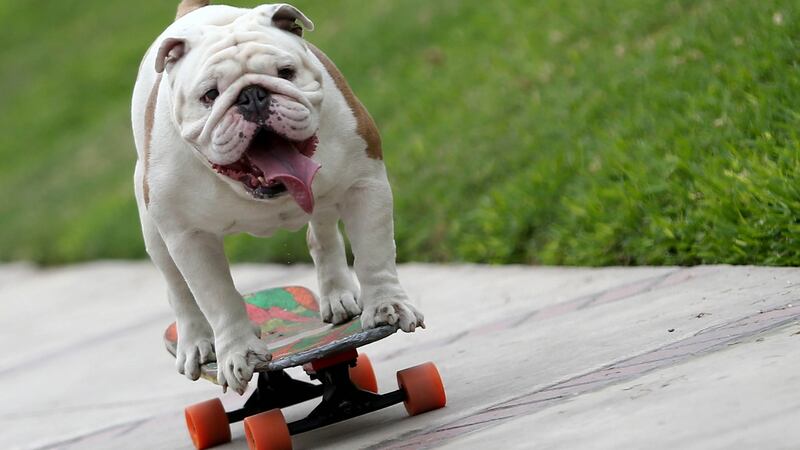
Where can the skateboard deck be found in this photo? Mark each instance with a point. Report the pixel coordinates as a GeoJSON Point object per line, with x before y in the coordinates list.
{"type": "Point", "coordinates": [290, 323]}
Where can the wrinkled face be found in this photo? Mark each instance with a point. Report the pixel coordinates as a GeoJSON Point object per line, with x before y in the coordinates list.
{"type": "Point", "coordinates": [246, 96]}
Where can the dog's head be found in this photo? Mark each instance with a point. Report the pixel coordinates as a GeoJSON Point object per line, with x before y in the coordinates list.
{"type": "Point", "coordinates": [246, 95]}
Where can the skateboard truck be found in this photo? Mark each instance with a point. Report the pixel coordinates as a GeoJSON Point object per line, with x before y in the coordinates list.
{"type": "Point", "coordinates": [347, 389]}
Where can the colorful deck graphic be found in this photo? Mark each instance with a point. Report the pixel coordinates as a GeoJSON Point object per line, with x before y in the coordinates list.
{"type": "Point", "coordinates": [290, 323]}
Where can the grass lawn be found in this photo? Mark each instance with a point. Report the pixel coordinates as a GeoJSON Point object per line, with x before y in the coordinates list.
{"type": "Point", "coordinates": [582, 132]}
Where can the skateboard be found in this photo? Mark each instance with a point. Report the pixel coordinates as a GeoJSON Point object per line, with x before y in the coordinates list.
{"type": "Point", "coordinates": [290, 323]}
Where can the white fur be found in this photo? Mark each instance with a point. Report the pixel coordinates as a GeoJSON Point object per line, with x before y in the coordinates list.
{"type": "Point", "coordinates": [191, 207]}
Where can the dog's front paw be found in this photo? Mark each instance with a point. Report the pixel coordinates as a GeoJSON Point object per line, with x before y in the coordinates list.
{"type": "Point", "coordinates": [392, 311]}
{"type": "Point", "coordinates": [195, 347]}
{"type": "Point", "coordinates": [237, 356]}
{"type": "Point", "coordinates": [339, 305]}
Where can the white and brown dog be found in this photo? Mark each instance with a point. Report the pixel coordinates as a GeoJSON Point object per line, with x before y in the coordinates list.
{"type": "Point", "coordinates": [242, 126]}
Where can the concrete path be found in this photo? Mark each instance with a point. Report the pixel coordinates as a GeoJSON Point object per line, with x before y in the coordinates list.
{"type": "Point", "coordinates": [705, 357]}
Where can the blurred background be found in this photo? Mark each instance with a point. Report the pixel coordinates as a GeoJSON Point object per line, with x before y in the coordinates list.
{"type": "Point", "coordinates": [580, 132]}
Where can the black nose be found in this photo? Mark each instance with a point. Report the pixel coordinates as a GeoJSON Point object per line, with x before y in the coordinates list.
{"type": "Point", "coordinates": [253, 102]}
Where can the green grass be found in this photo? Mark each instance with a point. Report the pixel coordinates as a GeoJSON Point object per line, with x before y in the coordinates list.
{"type": "Point", "coordinates": [586, 132]}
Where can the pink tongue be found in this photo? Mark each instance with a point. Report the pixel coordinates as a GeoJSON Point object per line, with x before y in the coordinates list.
{"type": "Point", "coordinates": [280, 161]}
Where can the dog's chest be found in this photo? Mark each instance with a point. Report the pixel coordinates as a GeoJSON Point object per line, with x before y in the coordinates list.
{"type": "Point", "coordinates": [237, 215]}
{"type": "Point", "coordinates": [264, 220]}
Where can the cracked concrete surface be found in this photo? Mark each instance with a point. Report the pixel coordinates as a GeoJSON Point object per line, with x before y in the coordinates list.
{"type": "Point", "coordinates": [532, 357]}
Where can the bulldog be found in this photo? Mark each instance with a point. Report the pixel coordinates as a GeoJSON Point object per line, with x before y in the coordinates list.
{"type": "Point", "coordinates": [241, 126]}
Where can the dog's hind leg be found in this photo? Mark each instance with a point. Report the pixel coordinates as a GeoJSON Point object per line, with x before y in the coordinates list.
{"type": "Point", "coordinates": [195, 338]}
{"type": "Point", "coordinates": [338, 291]}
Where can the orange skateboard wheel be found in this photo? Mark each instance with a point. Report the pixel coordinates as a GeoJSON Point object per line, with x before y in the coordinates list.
{"type": "Point", "coordinates": [363, 375]}
{"type": "Point", "coordinates": [423, 388]}
{"type": "Point", "coordinates": [207, 424]}
{"type": "Point", "coordinates": [267, 431]}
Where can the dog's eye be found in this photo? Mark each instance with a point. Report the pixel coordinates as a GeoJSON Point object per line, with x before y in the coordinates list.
{"type": "Point", "coordinates": [209, 97]}
{"type": "Point", "coordinates": [287, 73]}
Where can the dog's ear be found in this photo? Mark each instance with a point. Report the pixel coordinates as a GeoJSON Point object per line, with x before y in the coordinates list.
{"type": "Point", "coordinates": [187, 6]}
{"type": "Point", "coordinates": [170, 51]}
{"type": "Point", "coordinates": [286, 16]}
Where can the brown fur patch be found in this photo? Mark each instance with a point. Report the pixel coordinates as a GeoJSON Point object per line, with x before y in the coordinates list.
{"type": "Point", "coordinates": [365, 125]}
{"type": "Point", "coordinates": [187, 6]}
{"type": "Point", "coordinates": [149, 119]}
